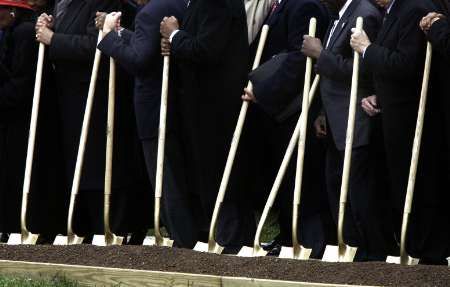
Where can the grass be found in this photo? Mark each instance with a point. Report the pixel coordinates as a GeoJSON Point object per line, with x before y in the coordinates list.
{"type": "Point", "coordinates": [6, 281]}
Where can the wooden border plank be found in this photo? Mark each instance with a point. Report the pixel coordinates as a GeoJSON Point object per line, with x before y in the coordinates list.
{"type": "Point", "coordinates": [100, 276]}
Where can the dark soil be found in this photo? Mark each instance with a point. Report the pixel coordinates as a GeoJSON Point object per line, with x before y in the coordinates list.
{"type": "Point", "coordinates": [187, 261]}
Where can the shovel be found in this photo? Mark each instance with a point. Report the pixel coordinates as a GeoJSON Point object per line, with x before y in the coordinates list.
{"type": "Point", "coordinates": [344, 252]}
{"type": "Point", "coordinates": [72, 238]}
{"type": "Point", "coordinates": [213, 246]}
{"type": "Point", "coordinates": [405, 259]}
{"type": "Point", "coordinates": [257, 250]}
{"type": "Point", "coordinates": [26, 237]}
{"type": "Point", "coordinates": [159, 239]}
{"type": "Point", "coordinates": [297, 251]}
{"type": "Point", "coordinates": [109, 238]}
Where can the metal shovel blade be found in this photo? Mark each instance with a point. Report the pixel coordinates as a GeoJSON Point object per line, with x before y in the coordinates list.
{"type": "Point", "coordinates": [102, 240]}
{"type": "Point", "coordinates": [252, 252]}
{"type": "Point", "coordinates": [212, 247]}
{"type": "Point", "coordinates": [332, 254]}
{"type": "Point", "coordinates": [14, 239]}
{"type": "Point", "coordinates": [288, 253]}
{"type": "Point", "coordinates": [163, 241]}
{"type": "Point", "coordinates": [151, 241]}
{"type": "Point", "coordinates": [397, 260]}
{"type": "Point", "coordinates": [74, 239]}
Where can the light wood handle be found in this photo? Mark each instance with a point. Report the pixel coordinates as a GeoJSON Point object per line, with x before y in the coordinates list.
{"type": "Point", "coordinates": [236, 138]}
{"type": "Point", "coordinates": [32, 136]}
{"type": "Point", "coordinates": [84, 134]}
{"type": "Point", "coordinates": [349, 139]}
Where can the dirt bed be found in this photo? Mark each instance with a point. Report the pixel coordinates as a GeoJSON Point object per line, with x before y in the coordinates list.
{"type": "Point", "coordinates": [187, 261]}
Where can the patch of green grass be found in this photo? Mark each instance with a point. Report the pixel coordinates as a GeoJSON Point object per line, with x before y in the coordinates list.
{"type": "Point", "coordinates": [23, 281]}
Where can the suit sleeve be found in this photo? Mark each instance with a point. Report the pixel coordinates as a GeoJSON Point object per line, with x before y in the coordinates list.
{"type": "Point", "coordinates": [81, 47]}
{"type": "Point", "coordinates": [143, 49]}
{"type": "Point", "coordinates": [439, 36]}
{"type": "Point", "coordinates": [406, 58]}
{"type": "Point", "coordinates": [214, 33]}
{"type": "Point", "coordinates": [17, 90]}
{"type": "Point", "coordinates": [340, 67]}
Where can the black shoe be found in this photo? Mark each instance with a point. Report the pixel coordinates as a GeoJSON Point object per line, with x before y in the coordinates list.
{"type": "Point", "coordinates": [269, 245]}
{"type": "Point", "coordinates": [275, 250]}
{"type": "Point", "coordinates": [4, 237]}
{"type": "Point", "coordinates": [137, 238]}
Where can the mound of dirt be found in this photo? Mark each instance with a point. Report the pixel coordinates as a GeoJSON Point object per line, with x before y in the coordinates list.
{"type": "Point", "coordinates": [188, 261]}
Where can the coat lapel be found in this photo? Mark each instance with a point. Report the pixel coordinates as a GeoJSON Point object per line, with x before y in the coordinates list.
{"type": "Point", "coordinates": [189, 12]}
{"type": "Point", "coordinates": [71, 15]}
{"type": "Point", "coordinates": [389, 21]}
{"type": "Point", "coordinates": [273, 19]}
{"type": "Point", "coordinates": [343, 22]}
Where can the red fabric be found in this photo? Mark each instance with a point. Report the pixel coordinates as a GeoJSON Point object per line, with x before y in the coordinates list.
{"type": "Point", "coordinates": [15, 3]}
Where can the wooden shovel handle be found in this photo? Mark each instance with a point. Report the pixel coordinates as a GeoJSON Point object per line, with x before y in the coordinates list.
{"type": "Point", "coordinates": [84, 135]}
{"type": "Point", "coordinates": [32, 136]}
{"type": "Point", "coordinates": [349, 139]}
{"type": "Point", "coordinates": [415, 153]}
{"type": "Point", "coordinates": [236, 138]}
{"type": "Point", "coordinates": [302, 139]}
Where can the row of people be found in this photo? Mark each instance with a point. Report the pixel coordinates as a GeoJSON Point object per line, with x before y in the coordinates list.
{"type": "Point", "coordinates": [208, 42]}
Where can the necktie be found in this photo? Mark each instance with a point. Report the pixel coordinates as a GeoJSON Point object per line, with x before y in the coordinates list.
{"type": "Point", "coordinates": [274, 7]}
{"type": "Point", "coordinates": [61, 8]}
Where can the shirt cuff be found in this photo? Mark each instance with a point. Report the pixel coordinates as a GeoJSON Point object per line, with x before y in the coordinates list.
{"type": "Point", "coordinates": [173, 35]}
{"type": "Point", "coordinates": [364, 51]}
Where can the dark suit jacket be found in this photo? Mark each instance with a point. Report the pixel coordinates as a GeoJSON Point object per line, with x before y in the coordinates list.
{"type": "Point", "coordinates": [71, 54]}
{"type": "Point", "coordinates": [211, 51]}
{"type": "Point", "coordinates": [397, 59]}
{"type": "Point", "coordinates": [287, 26]}
{"type": "Point", "coordinates": [335, 65]}
{"type": "Point", "coordinates": [139, 53]}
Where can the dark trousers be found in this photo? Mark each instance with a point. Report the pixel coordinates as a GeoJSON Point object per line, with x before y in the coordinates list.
{"type": "Point", "coordinates": [178, 211]}
{"type": "Point", "coordinates": [363, 226]}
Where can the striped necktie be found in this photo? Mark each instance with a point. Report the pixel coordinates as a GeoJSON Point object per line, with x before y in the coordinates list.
{"type": "Point", "coordinates": [61, 8]}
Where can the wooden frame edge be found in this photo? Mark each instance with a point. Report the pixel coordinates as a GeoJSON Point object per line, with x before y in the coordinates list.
{"type": "Point", "coordinates": [101, 276]}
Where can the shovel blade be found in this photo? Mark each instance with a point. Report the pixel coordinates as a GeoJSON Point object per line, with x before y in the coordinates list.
{"type": "Point", "coordinates": [397, 260]}
{"type": "Point", "coordinates": [60, 240]}
{"type": "Point", "coordinates": [14, 239]}
{"type": "Point", "coordinates": [74, 239]}
{"type": "Point", "coordinates": [288, 253]}
{"type": "Point", "coordinates": [151, 241]}
{"type": "Point", "coordinates": [201, 247]}
{"type": "Point", "coordinates": [448, 259]}
{"type": "Point", "coordinates": [102, 240]}
{"type": "Point", "coordinates": [29, 238]}
{"type": "Point", "coordinates": [99, 240]}
{"type": "Point", "coordinates": [251, 252]}
{"type": "Point", "coordinates": [331, 254]}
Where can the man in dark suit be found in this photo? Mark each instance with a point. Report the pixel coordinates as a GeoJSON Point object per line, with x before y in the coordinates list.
{"type": "Point", "coordinates": [272, 120]}
{"type": "Point", "coordinates": [437, 28]}
{"type": "Point", "coordinates": [71, 37]}
{"type": "Point", "coordinates": [211, 52]}
{"type": "Point", "coordinates": [139, 53]}
{"type": "Point", "coordinates": [335, 65]}
{"type": "Point", "coordinates": [396, 59]}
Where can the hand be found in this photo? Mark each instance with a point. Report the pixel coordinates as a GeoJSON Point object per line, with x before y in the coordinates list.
{"type": "Point", "coordinates": [112, 22]}
{"type": "Point", "coordinates": [320, 126]}
{"type": "Point", "coordinates": [168, 26]}
{"type": "Point", "coordinates": [100, 20]}
{"type": "Point", "coordinates": [165, 47]}
{"type": "Point", "coordinates": [44, 21]}
{"type": "Point", "coordinates": [370, 106]}
{"type": "Point", "coordinates": [312, 47]}
{"type": "Point", "coordinates": [44, 35]}
{"type": "Point", "coordinates": [428, 21]}
{"type": "Point", "coordinates": [248, 96]}
{"type": "Point", "coordinates": [359, 41]}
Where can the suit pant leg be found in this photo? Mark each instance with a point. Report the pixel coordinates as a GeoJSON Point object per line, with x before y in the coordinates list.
{"type": "Point", "coordinates": [334, 167]}
{"type": "Point", "coordinates": [177, 213]}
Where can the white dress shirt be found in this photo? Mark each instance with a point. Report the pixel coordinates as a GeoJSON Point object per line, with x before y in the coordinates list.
{"type": "Point", "coordinates": [341, 13]}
